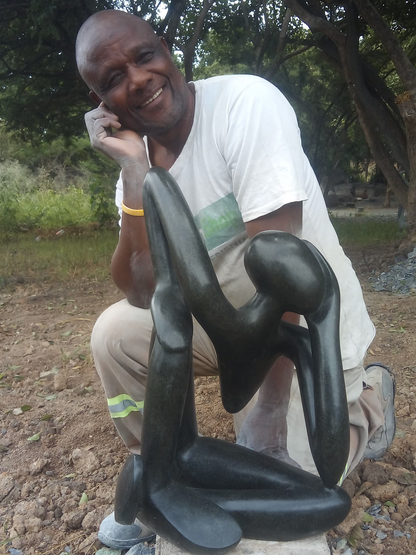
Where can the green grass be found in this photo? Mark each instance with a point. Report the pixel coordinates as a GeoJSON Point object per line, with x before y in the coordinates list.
{"type": "Point", "coordinates": [57, 258]}
{"type": "Point", "coordinates": [363, 232]}
{"type": "Point", "coordinates": [87, 254]}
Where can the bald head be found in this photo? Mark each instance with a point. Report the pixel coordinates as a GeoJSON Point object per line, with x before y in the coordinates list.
{"type": "Point", "coordinates": [102, 27]}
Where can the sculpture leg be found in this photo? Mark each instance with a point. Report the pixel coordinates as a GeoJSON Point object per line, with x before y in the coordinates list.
{"type": "Point", "coordinates": [178, 513]}
{"type": "Point", "coordinates": [270, 499]}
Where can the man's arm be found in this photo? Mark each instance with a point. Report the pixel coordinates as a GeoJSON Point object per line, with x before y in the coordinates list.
{"type": "Point", "coordinates": [131, 266]}
{"type": "Point", "coordinates": [265, 428]}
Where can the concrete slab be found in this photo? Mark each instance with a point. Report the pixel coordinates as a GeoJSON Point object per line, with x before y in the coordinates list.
{"type": "Point", "coordinates": [311, 546]}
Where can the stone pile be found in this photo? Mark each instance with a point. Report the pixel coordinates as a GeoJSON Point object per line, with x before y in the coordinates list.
{"type": "Point", "coordinates": [399, 279]}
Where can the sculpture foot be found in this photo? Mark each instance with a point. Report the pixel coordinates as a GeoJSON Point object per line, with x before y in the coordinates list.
{"type": "Point", "coordinates": [187, 519]}
{"type": "Point", "coordinates": [265, 515]}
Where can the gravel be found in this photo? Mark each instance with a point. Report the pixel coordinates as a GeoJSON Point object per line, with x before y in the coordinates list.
{"type": "Point", "coordinates": [399, 279]}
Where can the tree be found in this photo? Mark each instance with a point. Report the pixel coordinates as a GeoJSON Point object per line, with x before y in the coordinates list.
{"type": "Point", "coordinates": [339, 30]}
{"type": "Point", "coordinates": [369, 46]}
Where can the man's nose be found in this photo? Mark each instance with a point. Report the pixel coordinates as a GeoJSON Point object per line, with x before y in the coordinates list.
{"type": "Point", "coordinates": [138, 78]}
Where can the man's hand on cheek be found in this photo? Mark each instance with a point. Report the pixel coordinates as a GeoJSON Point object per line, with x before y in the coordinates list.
{"type": "Point", "coordinates": [124, 146]}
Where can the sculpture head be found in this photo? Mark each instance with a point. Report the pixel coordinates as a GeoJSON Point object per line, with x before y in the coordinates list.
{"type": "Point", "coordinates": [284, 268]}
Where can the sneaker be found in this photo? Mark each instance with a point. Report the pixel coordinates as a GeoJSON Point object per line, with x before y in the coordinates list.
{"type": "Point", "coordinates": [119, 536]}
{"type": "Point", "coordinates": [382, 380]}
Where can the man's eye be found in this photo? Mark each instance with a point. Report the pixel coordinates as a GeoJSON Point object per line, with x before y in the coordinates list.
{"type": "Point", "coordinates": [114, 80]}
{"type": "Point", "coordinates": [145, 57]}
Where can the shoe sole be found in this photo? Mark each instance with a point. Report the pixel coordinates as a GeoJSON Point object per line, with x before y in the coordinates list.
{"type": "Point", "coordinates": [388, 392]}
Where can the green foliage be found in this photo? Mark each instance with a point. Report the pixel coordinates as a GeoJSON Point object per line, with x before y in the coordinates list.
{"type": "Point", "coordinates": [102, 200]}
{"type": "Point", "coordinates": [50, 210]}
{"type": "Point", "coordinates": [59, 184]}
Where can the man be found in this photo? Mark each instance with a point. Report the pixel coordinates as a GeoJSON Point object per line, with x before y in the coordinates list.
{"type": "Point", "coordinates": [232, 143]}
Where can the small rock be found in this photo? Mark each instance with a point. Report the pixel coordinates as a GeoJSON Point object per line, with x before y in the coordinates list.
{"type": "Point", "coordinates": [405, 411]}
{"type": "Point", "coordinates": [75, 485]}
{"type": "Point", "coordinates": [29, 509]}
{"type": "Point", "coordinates": [374, 509]}
{"type": "Point", "coordinates": [383, 493]}
{"type": "Point", "coordinates": [398, 534]}
{"type": "Point", "coordinates": [93, 520]}
{"type": "Point", "coordinates": [403, 509]}
{"type": "Point", "coordinates": [80, 390]}
{"type": "Point", "coordinates": [33, 524]}
{"type": "Point", "coordinates": [73, 519]}
{"type": "Point", "coordinates": [108, 551]}
{"type": "Point", "coordinates": [6, 485]}
{"type": "Point", "coordinates": [144, 549]}
{"type": "Point", "coordinates": [341, 544]}
{"type": "Point", "coordinates": [60, 382]}
{"type": "Point", "coordinates": [376, 474]}
{"type": "Point", "coordinates": [381, 535]}
{"type": "Point", "coordinates": [27, 488]}
{"type": "Point", "coordinates": [13, 551]}
{"type": "Point", "coordinates": [100, 476]}
{"type": "Point", "coordinates": [15, 538]}
{"type": "Point", "coordinates": [89, 543]}
{"type": "Point", "coordinates": [37, 466]}
{"type": "Point", "coordinates": [359, 505]}
{"type": "Point", "coordinates": [85, 461]}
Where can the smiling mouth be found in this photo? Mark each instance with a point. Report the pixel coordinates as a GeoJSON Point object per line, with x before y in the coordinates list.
{"type": "Point", "coordinates": [158, 93]}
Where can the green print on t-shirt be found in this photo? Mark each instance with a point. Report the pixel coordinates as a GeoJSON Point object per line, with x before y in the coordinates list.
{"type": "Point", "coordinates": [220, 222]}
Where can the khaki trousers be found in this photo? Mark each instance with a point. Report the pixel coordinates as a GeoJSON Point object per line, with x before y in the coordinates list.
{"type": "Point", "coordinates": [120, 345]}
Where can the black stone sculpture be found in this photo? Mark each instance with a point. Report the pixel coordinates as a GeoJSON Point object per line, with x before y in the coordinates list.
{"type": "Point", "coordinates": [204, 494]}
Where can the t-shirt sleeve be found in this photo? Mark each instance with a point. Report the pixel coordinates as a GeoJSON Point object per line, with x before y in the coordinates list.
{"type": "Point", "coordinates": [119, 197]}
{"type": "Point", "coordinates": [263, 151]}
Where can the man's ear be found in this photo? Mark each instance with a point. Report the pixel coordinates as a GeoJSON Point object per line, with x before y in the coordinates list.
{"type": "Point", "coordinates": [95, 98]}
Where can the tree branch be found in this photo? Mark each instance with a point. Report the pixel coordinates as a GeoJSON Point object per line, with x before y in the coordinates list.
{"type": "Point", "coordinates": [404, 67]}
{"type": "Point", "coordinates": [316, 24]}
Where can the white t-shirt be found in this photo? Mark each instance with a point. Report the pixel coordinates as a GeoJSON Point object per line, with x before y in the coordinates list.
{"type": "Point", "coordinates": [244, 159]}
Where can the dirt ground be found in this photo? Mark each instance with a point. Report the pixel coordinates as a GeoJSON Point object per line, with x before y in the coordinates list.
{"type": "Point", "coordinates": [60, 456]}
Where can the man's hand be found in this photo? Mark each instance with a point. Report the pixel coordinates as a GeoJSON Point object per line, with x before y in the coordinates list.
{"type": "Point", "coordinates": [124, 147]}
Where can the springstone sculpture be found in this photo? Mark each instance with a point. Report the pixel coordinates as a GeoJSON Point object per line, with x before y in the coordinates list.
{"type": "Point", "coordinates": [205, 494]}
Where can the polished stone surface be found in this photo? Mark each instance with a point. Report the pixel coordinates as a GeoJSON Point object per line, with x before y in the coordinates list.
{"type": "Point", "coordinates": [205, 494]}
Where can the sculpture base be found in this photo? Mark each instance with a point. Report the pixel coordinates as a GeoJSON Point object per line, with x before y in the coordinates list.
{"type": "Point", "coordinates": [311, 546]}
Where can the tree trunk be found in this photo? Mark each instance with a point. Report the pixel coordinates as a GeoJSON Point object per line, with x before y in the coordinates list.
{"type": "Point", "coordinates": [407, 106]}
{"type": "Point", "coordinates": [346, 44]}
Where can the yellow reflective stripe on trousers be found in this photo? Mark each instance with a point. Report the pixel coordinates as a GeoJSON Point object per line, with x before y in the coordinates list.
{"type": "Point", "coordinates": [122, 405]}
{"type": "Point", "coordinates": [344, 475]}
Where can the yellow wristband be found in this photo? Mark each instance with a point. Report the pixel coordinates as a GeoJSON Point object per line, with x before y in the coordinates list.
{"type": "Point", "coordinates": [131, 212]}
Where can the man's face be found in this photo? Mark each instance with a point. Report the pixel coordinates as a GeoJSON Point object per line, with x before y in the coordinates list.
{"type": "Point", "coordinates": [130, 69]}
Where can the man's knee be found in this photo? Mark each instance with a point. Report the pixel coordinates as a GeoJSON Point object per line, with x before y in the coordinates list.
{"type": "Point", "coordinates": [104, 330]}
{"type": "Point", "coordinates": [120, 328]}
